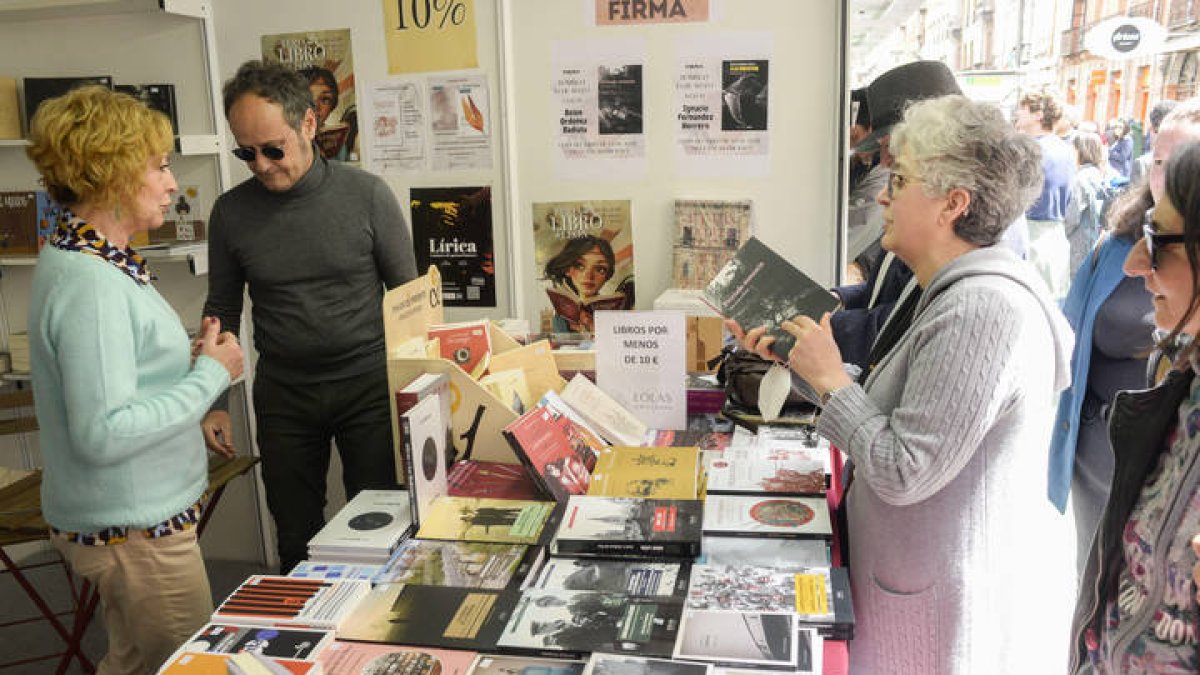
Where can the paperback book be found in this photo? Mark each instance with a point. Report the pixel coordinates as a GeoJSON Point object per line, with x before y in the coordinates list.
{"type": "Point", "coordinates": [265, 600]}
{"type": "Point", "coordinates": [361, 658]}
{"type": "Point", "coordinates": [765, 552]}
{"type": "Point", "coordinates": [425, 433]}
{"type": "Point", "coordinates": [753, 639]}
{"type": "Point", "coordinates": [621, 664]}
{"type": "Point", "coordinates": [629, 527]}
{"type": "Point", "coordinates": [536, 360]}
{"type": "Point", "coordinates": [496, 664]}
{"type": "Point", "coordinates": [196, 663]}
{"type": "Point", "coordinates": [287, 643]}
{"type": "Point", "coordinates": [489, 520]}
{"type": "Point", "coordinates": [648, 472]}
{"type": "Point", "coordinates": [477, 478]}
{"type": "Point", "coordinates": [446, 617]}
{"type": "Point", "coordinates": [430, 562]}
{"type": "Point", "coordinates": [751, 516]}
{"type": "Point", "coordinates": [559, 454]}
{"type": "Point", "coordinates": [467, 344]}
{"type": "Point", "coordinates": [576, 622]}
{"type": "Point", "coordinates": [614, 421]}
{"type": "Point", "coordinates": [18, 223]}
{"type": "Point", "coordinates": [759, 287]}
{"type": "Point", "coordinates": [321, 569]}
{"type": "Point", "coordinates": [634, 577]}
{"type": "Point", "coordinates": [366, 529]}
{"type": "Point", "coordinates": [510, 387]}
{"type": "Point", "coordinates": [751, 471]}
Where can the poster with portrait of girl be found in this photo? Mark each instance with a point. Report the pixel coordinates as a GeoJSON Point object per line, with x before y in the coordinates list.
{"type": "Point", "coordinates": [583, 251]}
{"type": "Point", "coordinates": [323, 57]}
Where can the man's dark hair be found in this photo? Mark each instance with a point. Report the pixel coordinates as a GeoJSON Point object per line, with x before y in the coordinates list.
{"type": "Point", "coordinates": [273, 82]}
{"type": "Point", "coordinates": [1158, 112]}
{"type": "Point", "coordinates": [1045, 102]}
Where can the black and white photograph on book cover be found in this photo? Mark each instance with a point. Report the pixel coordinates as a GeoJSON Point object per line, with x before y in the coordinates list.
{"type": "Point", "coordinates": [493, 664]}
{"type": "Point", "coordinates": [744, 638]}
{"type": "Point", "coordinates": [614, 576]}
{"type": "Point", "coordinates": [619, 99]}
{"type": "Point", "coordinates": [585, 621]}
{"type": "Point", "coordinates": [619, 664]}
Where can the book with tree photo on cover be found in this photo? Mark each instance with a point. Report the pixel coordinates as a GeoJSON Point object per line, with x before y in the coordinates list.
{"type": "Point", "coordinates": [759, 287]}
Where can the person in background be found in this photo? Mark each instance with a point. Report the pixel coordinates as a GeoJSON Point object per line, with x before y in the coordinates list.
{"type": "Point", "coordinates": [316, 242]}
{"type": "Point", "coordinates": [948, 430]}
{"type": "Point", "coordinates": [119, 394]}
{"type": "Point", "coordinates": [1141, 165]}
{"type": "Point", "coordinates": [1065, 128]}
{"type": "Point", "coordinates": [1036, 114]}
{"type": "Point", "coordinates": [868, 175]}
{"type": "Point", "coordinates": [1137, 609]}
{"type": "Point", "coordinates": [1120, 148]}
{"type": "Point", "coordinates": [1090, 191]}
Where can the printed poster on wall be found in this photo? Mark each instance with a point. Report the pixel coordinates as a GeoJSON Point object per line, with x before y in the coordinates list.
{"type": "Point", "coordinates": [425, 35]}
{"type": "Point", "coordinates": [584, 256]}
{"type": "Point", "coordinates": [396, 130]}
{"type": "Point", "coordinates": [460, 123]}
{"type": "Point", "coordinates": [324, 58]}
{"type": "Point", "coordinates": [722, 105]}
{"type": "Point", "coordinates": [452, 229]}
{"type": "Point", "coordinates": [598, 97]}
{"type": "Point", "coordinates": [639, 363]}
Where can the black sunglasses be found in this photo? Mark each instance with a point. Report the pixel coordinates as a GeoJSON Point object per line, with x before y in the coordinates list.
{"type": "Point", "coordinates": [271, 152]}
{"type": "Point", "coordinates": [1155, 242]}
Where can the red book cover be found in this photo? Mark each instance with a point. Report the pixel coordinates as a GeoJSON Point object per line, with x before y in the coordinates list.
{"type": "Point", "coordinates": [560, 453]}
{"type": "Point", "coordinates": [474, 478]}
{"type": "Point", "coordinates": [467, 344]}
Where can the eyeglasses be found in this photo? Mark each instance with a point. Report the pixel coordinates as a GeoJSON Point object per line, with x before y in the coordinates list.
{"type": "Point", "coordinates": [897, 181]}
{"type": "Point", "coordinates": [1155, 242]}
{"type": "Point", "coordinates": [247, 154]}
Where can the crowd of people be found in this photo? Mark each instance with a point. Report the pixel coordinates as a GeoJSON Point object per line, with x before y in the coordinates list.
{"type": "Point", "coordinates": [1013, 379]}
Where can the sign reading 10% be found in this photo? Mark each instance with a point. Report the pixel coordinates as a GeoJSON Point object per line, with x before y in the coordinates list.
{"type": "Point", "coordinates": [421, 13]}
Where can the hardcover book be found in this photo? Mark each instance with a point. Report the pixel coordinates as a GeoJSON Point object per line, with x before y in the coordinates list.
{"type": "Point", "coordinates": [489, 520]}
{"type": "Point", "coordinates": [476, 478]}
{"type": "Point", "coordinates": [265, 600]}
{"type": "Point", "coordinates": [654, 473]}
{"type": "Point", "coordinates": [759, 287]}
{"type": "Point", "coordinates": [621, 664]}
{"type": "Point", "coordinates": [576, 622]}
{"type": "Point", "coordinates": [288, 643]}
{"type": "Point", "coordinates": [18, 223]}
{"type": "Point", "coordinates": [425, 432]}
{"type": "Point", "coordinates": [755, 639]}
{"type": "Point", "coordinates": [634, 577]}
{"type": "Point", "coordinates": [495, 664]}
{"type": "Point", "coordinates": [467, 564]}
{"type": "Point", "coordinates": [360, 658]}
{"type": "Point", "coordinates": [584, 255]}
{"type": "Point", "coordinates": [468, 344]}
{"type": "Point", "coordinates": [366, 529]}
{"type": "Point", "coordinates": [751, 516]}
{"type": "Point", "coordinates": [429, 616]}
{"type": "Point", "coordinates": [629, 527]}
{"type": "Point", "coordinates": [559, 454]}
{"type": "Point", "coordinates": [452, 229]}
{"type": "Point", "coordinates": [707, 235]}
{"type": "Point", "coordinates": [38, 89]}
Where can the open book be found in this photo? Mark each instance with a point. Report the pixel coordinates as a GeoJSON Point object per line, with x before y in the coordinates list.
{"type": "Point", "coordinates": [570, 306]}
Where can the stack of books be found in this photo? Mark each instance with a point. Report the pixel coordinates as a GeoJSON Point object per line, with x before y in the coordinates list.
{"type": "Point", "coordinates": [366, 530]}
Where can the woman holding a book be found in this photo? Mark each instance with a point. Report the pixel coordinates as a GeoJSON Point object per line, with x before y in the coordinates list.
{"type": "Point", "coordinates": [959, 562]}
{"type": "Point", "coordinates": [118, 389]}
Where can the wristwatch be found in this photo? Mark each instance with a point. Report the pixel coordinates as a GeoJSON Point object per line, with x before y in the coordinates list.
{"type": "Point", "coordinates": [827, 394]}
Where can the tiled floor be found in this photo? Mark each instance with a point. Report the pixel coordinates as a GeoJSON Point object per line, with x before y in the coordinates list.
{"type": "Point", "coordinates": [38, 638]}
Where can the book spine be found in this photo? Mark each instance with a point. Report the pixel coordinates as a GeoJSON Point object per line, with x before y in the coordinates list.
{"type": "Point", "coordinates": [410, 476]}
{"type": "Point", "coordinates": [538, 479]}
{"type": "Point", "coordinates": [748, 534]}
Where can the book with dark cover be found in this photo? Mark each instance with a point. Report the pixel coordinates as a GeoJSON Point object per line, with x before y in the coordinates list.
{"type": "Point", "coordinates": [18, 223]}
{"type": "Point", "coordinates": [452, 229]}
{"type": "Point", "coordinates": [634, 577]}
{"type": "Point", "coordinates": [429, 616]}
{"type": "Point", "coordinates": [629, 527]}
{"type": "Point", "coordinates": [476, 478]}
{"type": "Point", "coordinates": [577, 622]}
{"type": "Point", "coordinates": [288, 643]}
{"type": "Point", "coordinates": [38, 89]}
{"type": "Point", "coordinates": [559, 454]}
{"type": "Point", "coordinates": [160, 97]}
{"type": "Point", "coordinates": [759, 287]}
{"type": "Point", "coordinates": [467, 564]}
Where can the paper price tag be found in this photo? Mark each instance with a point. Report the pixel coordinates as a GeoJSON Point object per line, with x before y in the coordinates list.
{"type": "Point", "coordinates": [811, 597]}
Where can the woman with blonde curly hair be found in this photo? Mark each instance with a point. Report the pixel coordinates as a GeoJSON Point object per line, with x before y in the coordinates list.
{"type": "Point", "coordinates": [118, 390]}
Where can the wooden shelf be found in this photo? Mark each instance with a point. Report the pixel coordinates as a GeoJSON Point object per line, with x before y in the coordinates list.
{"type": "Point", "coordinates": [35, 10]}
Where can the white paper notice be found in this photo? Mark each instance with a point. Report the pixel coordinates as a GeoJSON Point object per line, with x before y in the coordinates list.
{"type": "Point", "coordinates": [460, 123]}
{"type": "Point", "coordinates": [640, 362]}
{"type": "Point", "coordinates": [722, 105]}
{"type": "Point", "coordinates": [396, 130]}
{"type": "Point", "coordinates": [597, 99]}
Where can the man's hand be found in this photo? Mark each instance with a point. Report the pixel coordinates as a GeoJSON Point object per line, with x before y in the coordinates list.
{"type": "Point", "coordinates": [218, 433]}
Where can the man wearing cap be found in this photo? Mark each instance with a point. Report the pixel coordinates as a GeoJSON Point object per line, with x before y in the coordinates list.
{"type": "Point", "coordinates": [868, 175]}
{"type": "Point", "coordinates": [1049, 250]}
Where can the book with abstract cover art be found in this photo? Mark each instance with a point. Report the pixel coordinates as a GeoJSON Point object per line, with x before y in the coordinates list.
{"type": "Point", "coordinates": [265, 600]}
{"type": "Point", "coordinates": [452, 229]}
{"type": "Point", "coordinates": [759, 287]}
{"type": "Point", "coordinates": [629, 527]}
{"type": "Point", "coordinates": [366, 529]}
{"type": "Point", "coordinates": [446, 617]}
{"type": "Point", "coordinates": [584, 254]}
{"type": "Point", "coordinates": [560, 454]}
{"type": "Point", "coordinates": [200, 663]}
{"type": "Point", "coordinates": [361, 658]}
{"type": "Point", "coordinates": [749, 516]}
{"type": "Point", "coordinates": [467, 564]}
{"type": "Point", "coordinates": [288, 643]}
{"type": "Point", "coordinates": [707, 235]}
{"type": "Point", "coordinates": [324, 58]}
{"type": "Point", "coordinates": [481, 519]}
{"type": "Point", "coordinates": [575, 622]}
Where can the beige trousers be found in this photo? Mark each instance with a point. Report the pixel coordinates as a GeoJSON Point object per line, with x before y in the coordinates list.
{"type": "Point", "coordinates": [154, 593]}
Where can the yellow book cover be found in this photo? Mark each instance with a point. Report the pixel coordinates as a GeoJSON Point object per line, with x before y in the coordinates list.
{"type": "Point", "coordinates": [651, 472]}
{"type": "Point", "coordinates": [512, 521]}
{"type": "Point", "coordinates": [510, 386]}
{"type": "Point", "coordinates": [10, 110]}
{"type": "Point", "coordinates": [537, 360]}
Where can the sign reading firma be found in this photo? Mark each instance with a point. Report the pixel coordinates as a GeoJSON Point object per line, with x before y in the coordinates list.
{"type": "Point", "coordinates": [624, 12]}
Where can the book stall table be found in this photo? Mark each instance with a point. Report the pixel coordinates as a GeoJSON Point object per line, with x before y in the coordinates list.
{"type": "Point", "coordinates": [21, 523]}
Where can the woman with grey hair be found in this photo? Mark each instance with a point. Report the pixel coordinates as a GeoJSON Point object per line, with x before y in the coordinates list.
{"type": "Point", "coordinates": [959, 562]}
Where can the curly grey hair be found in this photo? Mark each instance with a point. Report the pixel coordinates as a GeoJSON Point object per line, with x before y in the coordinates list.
{"type": "Point", "coordinates": [953, 142]}
{"type": "Point", "coordinates": [273, 82]}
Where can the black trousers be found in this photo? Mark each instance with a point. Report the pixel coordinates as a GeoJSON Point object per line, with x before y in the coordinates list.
{"type": "Point", "coordinates": [296, 423]}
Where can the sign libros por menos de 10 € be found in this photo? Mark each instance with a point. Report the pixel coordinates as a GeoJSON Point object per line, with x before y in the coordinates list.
{"type": "Point", "coordinates": [641, 362]}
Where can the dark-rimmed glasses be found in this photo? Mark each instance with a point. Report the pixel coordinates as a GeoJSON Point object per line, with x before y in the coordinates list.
{"type": "Point", "coordinates": [1156, 241]}
{"type": "Point", "coordinates": [247, 154]}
